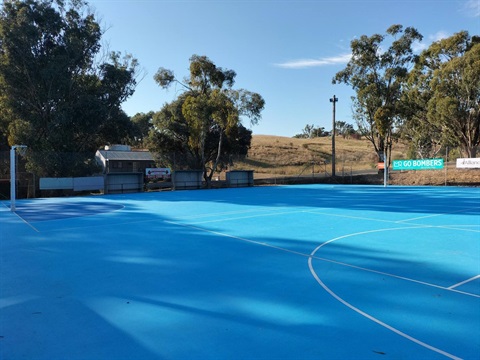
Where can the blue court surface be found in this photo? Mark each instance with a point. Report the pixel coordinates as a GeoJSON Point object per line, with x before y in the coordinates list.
{"type": "Point", "coordinates": [286, 272]}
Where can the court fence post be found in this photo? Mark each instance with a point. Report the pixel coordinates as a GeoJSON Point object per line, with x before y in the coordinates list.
{"type": "Point", "coordinates": [385, 167]}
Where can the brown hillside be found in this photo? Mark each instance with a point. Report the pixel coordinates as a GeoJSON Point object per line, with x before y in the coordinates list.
{"type": "Point", "coordinates": [283, 159]}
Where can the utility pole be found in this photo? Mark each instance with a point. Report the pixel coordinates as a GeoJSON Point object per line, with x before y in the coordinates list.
{"type": "Point", "coordinates": [333, 100]}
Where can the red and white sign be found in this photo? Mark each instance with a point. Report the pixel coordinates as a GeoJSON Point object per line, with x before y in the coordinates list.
{"type": "Point", "coordinates": [158, 173]}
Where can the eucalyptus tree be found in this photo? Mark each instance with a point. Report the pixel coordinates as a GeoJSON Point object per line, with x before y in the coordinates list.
{"type": "Point", "coordinates": [209, 109]}
{"type": "Point", "coordinates": [377, 71]}
{"type": "Point", "coordinates": [58, 94]}
{"type": "Point", "coordinates": [424, 138]}
{"type": "Point", "coordinates": [446, 80]}
{"type": "Point", "coordinates": [142, 124]}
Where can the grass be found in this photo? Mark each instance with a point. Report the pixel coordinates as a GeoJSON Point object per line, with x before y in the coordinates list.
{"type": "Point", "coordinates": [276, 155]}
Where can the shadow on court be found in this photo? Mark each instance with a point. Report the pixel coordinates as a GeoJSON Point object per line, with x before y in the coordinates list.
{"type": "Point", "coordinates": [396, 199]}
{"type": "Point", "coordinates": [205, 274]}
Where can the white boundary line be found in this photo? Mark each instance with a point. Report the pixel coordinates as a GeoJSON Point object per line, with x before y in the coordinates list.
{"type": "Point", "coordinates": [464, 282]}
{"type": "Point", "coordinates": [368, 316]}
{"type": "Point", "coordinates": [395, 276]}
{"type": "Point", "coordinates": [249, 216]}
{"type": "Point", "coordinates": [454, 227]}
{"type": "Point", "coordinates": [435, 215]}
{"type": "Point", "coordinates": [70, 217]}
{"type": "Point", "coordinates": [26, 222]}
{"type": "Point", "coordinates": [314, 274]}
{"type": "Point", "coordinates": [449, 227]}
{"type": "Point", "coordinates": [237, 238]}
{"type": "Point", "coordinates": [312, 255]}
{"type": "Point", "coordinates": [232, 212]}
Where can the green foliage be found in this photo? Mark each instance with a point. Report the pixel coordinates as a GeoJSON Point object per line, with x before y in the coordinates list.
{"type": "Point", "coordinates": [56, 98]}
{"type": "Point", "coordinates": [445, 86]}
{"type": "Point", "coordinates": [142, 125]}
{"type": "Point", "coordinates": [310, 132]}
{"type": "Point", "coordinates": [378, 73]}
{"type": "Point", "coordinates": [344, 129]}
{"type": "Point", "coordinates": [170, 139]}
{"type": "Point", "coordinates": [208, 113]}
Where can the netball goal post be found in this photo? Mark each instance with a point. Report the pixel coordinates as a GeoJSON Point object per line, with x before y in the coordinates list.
{"type": "Point", "coordinates": [13, 172]}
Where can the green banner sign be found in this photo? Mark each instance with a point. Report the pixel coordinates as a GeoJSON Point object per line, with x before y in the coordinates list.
{"type": "Point", "coordinates": [421, 164]}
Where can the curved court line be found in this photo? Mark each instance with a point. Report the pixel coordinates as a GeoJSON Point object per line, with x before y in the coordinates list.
{"type": "Point", "coordinates": [325, 259]}
{"type": "Point", "coordinates": [451, 289]}
{"type": "Point", "coordinates": [361, 312]}
{"type": "Point", "coordinates": [312, 256]}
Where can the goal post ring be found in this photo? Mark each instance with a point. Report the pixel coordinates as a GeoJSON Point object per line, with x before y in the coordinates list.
{"type": "Point", "coordinates": [21, 150]}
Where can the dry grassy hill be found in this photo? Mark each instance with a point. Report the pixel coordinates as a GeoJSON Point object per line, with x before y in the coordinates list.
{"type": "Point", "coordinates": [276, 157]}
{"type": "Point", "coordinates": [270, 155]}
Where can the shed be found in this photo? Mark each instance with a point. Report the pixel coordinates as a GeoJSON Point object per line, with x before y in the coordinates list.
{"type": "Point", "coordinates": [121, 159]}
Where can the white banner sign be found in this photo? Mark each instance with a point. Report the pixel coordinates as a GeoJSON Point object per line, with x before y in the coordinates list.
{"type": "Point", "coordinates": [468, 163]}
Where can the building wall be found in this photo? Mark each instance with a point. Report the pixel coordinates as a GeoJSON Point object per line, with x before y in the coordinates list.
{"type": "Point", "coordinates": [128, 166]}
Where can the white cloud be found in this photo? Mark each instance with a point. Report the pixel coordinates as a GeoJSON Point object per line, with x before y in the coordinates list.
{"type": "Point", "coordinates": [308, 63]}
{"type": "Point", "coordinates": [419, 46]}
{"type": "Point", "coordinates": [439, 35]}
{"type": "Point", "coordinates": [472, 8]}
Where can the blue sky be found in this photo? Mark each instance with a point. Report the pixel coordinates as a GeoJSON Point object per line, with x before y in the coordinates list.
{"type": "Point", "coordinates": [288, 51]}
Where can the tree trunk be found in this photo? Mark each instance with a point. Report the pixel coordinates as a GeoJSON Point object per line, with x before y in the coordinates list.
{"type": "Point", "coordinates": [471, 151]}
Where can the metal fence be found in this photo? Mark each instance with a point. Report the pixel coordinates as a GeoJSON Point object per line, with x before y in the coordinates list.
{"type": "Point", "coordinates": [350, 168]}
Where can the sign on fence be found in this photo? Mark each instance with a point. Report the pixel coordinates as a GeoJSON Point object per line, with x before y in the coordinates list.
{"type": "Point", "coordinates": [158, 173]}
{"type": "Point", "coordinates": [421, 164]}
{"type": "Point", "coordinates": [468, 163]}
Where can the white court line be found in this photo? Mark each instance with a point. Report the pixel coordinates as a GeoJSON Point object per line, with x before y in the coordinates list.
{"type": "Point", "coordinates": [249, 217]}
{"type": "Point", "coordinates": [464, 282]}
{"type": "Point", "coordinates": [440, 214]}
{"type": "Point", "coordinates": [452, 289]}
{"type": "Point", "coordinates": [312, 256]}
{"type": "Point", "coordinates": [368, 316]}
{"type": "Point", "coordinates": [381, 272]}
{"type": "Point", "coordinates": [285, 213]}
{"type": "Point", "coordinates": [379, 322]}
{"type": "Point", "coordinates": [73, 217]}
{"type": "Point", "coordinates": [167, 221]}
{"type": "Point", "coordinates": [237, 238]}
{"type": "Point", "coordinates": [449, 227]}
{"type": "Point", "coordinates": [350, 217]}
{"type": "Point", "coordinates": [325, 259]}
{"type": "Point", "coordinates": [26, 222]}
{"type": "Point", "coordinates": [246, 211]}
{"type": "Point", "coordinates": [455, 227]}
{"type": "Point", "coordinates": [462, 225]}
